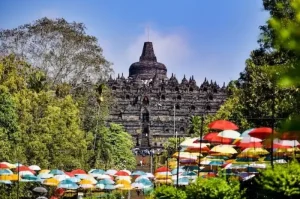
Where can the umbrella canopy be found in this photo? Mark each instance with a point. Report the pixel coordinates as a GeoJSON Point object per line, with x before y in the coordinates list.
{"type": "Point", "coordinates": [121, 173]}
{"type": "Point", "coordinates": [103, 176]}
{"type": "Point", "coordinates": [96, 171]}
{"type": "Point", "coordinates": [137, 185]}
{"type": "Point", "coordinates": [222, 125]}
{"type": "Point", "coordinates": [30, 178]}
{"type": "Point", "coordinates": [56, 172]}
{"type": "Point", "coordinates": [223, 149]}
{"type": "Point", "coordinates": [10, 166]}
{"type": "Point", "coordinates": [162, 169]}
{"type": "Point", "coordinates": [254, 151]}
{"type": "Point", "coordinates": [261, 132]}
{"type": "Point", "coordinates": [4, 166]}
{"type": "Point", "coordinates": [186, 155]}
{"type": "Point", "coordinates": [68, 184]}
{"type": "Point", "coordinates": [35, 168]}
{"type": "Point", "coordinates": [290, 136]}
{"type": "Point", "coordinates": [24, 168]}
{"type": "Point", "coordinates": [221, 140]}
{"type": "Point", "coordinates": [51, 182]}
{"type": "Point", "coordinates": [45, 175]}
{"type": "Point", "coordinates": [40, 190]}
{"type": "Point", "coordinates": [111, 172]}
{"type": "Point", "coordinates": [249, 145]}
{"type": "Point", "coordinates": [188, 142]}
{"type": "Point", "coordinates": [78, 171]}
{"type": "Point", "coordinates": [249, 139]}
{"type": "Point", "coordinates": [138, 173]}
{"type": "Point", "coordinates": [106, 181]}
{"type": "Point", "coordinates": [44, 171]}
{"type": "Point", "coordinates": [246, 133]}
{"type": "Point", "coordinates": [229, 134]}
{"type": "Point", "coordinates": [5, 172]}
{"type": "Point", "coordinates": [109, 187]}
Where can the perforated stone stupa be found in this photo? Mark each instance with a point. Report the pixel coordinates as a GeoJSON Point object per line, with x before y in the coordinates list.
{"type": "Point", "coordinates": [146, 101]}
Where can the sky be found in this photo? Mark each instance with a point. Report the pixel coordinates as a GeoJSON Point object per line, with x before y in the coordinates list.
{"type": "Point", "coordinates": [203, 38]}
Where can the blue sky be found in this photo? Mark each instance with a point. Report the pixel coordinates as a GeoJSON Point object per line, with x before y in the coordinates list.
{"type": "Point", "coordinates": [194, 37]}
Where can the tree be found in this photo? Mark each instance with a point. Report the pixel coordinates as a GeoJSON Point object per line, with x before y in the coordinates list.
{"type": "Point", "coordinates": [195, 124]}
{"type": "Point", "coordinates": [62, 50]}
{"type": "Point", "coordinates": [168, 192]}
{"type": "Point", "coordinates": [280, 182]}
{"type": "Point", "coordinates": [214, 188]}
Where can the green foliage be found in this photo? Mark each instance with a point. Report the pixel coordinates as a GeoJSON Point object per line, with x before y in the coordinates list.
{"type": "Point", "coordinates": [168, 192]}
{"type": "Point", "coordinates": [57, 128]}
{"type": "Point", "coordinates": [62, 50]}
{"type": "Point", "coordinates": [281, 182]}
{"type": "Point", "coordinates": [195, 125]}
{"type": "Point", "coordinates": [214, 188]}
{"type": "Point", "coordinates": [25, 190]}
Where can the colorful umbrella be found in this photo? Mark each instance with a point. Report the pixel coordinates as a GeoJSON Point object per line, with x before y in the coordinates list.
{"type": "Point", "coordinates": [121, 173]}
{"type": "Point", "coordinates": [51, 182]}
{"type": "Point", "coordinates": [111, 172]}
{"type": "Point", "coordinates": [78, 171]}
{"type": "Point", "coordinates": [56, 172]}
{"type": "Point", "coordinates": [106, 181]}
{"type": "Point", "coordinates": [246, 133]}
{"type": "Point", "coordinates": [223, 149]}
{"type": "Point", "coordinates": [261, 132]}
{"type": "Point", "coordinates": [162, 169]}
{"type": "Point", "coordinates": [229, 134]}
{"type": "Point", "coordinates": [138, 173]}
{"type": "Point", "coordinates": [222, 125]}
{"type": "Point", "coordinates": [67, 184]}
{"type": "Point", "coordinates": [34, 167]}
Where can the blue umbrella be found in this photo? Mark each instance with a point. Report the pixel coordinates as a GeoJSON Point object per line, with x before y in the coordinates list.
{"type": "Point", "coordinates": [189, 173]}
{"type": "Point", "coordinates": [246, 133]}
{"type": "Point", "coordinates": [5, 182]}
{"type": "Point", "coordinates": [56, 172]}
{"type": "Point", "coordinates": [67, 184]}
{"type": "Point", "coordinates": [109, 187]}
{"type": "Point", "coordinates": [97, 171]}
{"type": "Point", "coordinates": [174, 171]}
{"type": "Point", "coordinates": [216, 163]}
{"type": "Point", "coordinates": [5, 172]}
{"type": "Point", "coordinates": [138, 173]}
{"type": "Point", "coordinates": [144, 181]}
{"type": "Point", "coordinates": [30, 178]}
{"type": "Point", "coordinates": [74, 179]}
{"type": "Point", "coordinates": [106, 181]}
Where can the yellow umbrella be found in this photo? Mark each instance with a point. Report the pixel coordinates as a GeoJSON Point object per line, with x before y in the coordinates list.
{"type": "Point", "coordinates": [12, 177]}
{"type": "Point", "coordinates": [186, 155]}
{"type": "Point", "coordinates": [124, 182]}
{"type": "Point", "coordinates": [254, 151]}
{"type": "Point", "coordinates": [51, 182]}
{"type": "Point", "coordinates": [163, 181]}
{"type": "Point", "coordinates": [225, 149]}
{"type": "Point", "coordinates": [44, 171]}
{"type": "Point", "coordinates": [163, 176]}
{"type": "Point", "coordinates": [288, 150]}
{"type": "Point", "coordinates": [85, 181]}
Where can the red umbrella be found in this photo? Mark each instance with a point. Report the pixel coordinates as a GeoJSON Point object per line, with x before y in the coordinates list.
{"type": "Point", "coordinates": [162, 169]}
{"type": "Point", "coordinates": [249, 145]}
{"type": "Point", "coordinates": [221, 140]}
{"type": "Point", "coordinates": [78, 171]}
{"type": "Point", "coordinates": [222, 125]}
{"type": "Point", "coordinates": [204, 148]}
{"type": "Point", "coordinates": [121, 173]}
{"type": "Point", "coordinates": [24, 168]}
{"type": "Point", "coordinates": [261, 132]}
{"type": "Point", "coordinates": [70, 174]}
{"type": "Point", "coordinates": [3, 166]}
{"type": "Point", "coordinates": [210, 136]}
{"type": "Point", "coordinates": [290, 136]}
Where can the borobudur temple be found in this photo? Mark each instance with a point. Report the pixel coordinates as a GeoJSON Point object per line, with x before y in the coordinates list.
{"type": "Point", "coordinates": [153, 107]}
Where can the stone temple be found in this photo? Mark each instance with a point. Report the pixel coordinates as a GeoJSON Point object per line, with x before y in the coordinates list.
{"type": "Point", "coordinates": [152, 107]}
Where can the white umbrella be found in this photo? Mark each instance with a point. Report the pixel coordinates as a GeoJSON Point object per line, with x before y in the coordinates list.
{"type": "Point", "coordinates": [35, 167]}
{"type": "Point", "coordinates": [292, 143]}
{"type": "Point", "coordinates": [137, 185]}
{"type": "Point", "coordinates": [45, 175]}
{"type": "Point", "coordinates": [230, 134]}
{"type": "Point", "coordinates": [149, 175]}
{"type": "Point", "coordinates": [103, 176]}
{"type": "Point", "coordinates": [22, 173]}
{"type": "Point", "coordinates": [250, 139]}
{"type": "Point", "coordinates": [61, 177]}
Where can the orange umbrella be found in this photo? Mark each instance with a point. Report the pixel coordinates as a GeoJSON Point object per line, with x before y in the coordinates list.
{"type": "Point", "coordinates": [261, 132]}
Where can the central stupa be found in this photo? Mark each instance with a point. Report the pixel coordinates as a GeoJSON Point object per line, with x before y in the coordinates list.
{"type": "Point", "coordinates": [148, 66]}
